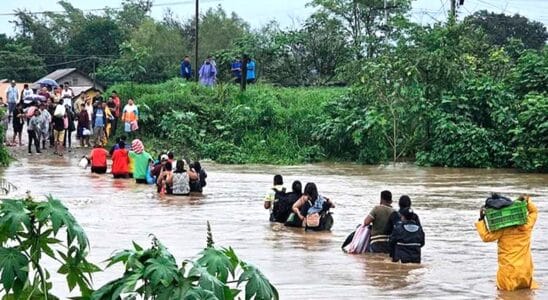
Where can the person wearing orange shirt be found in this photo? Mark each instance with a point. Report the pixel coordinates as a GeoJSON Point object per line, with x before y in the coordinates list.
{"type": "Point", "coordinates": [98, 158]}
{"type": "Point", "coordinates": [120, 161]}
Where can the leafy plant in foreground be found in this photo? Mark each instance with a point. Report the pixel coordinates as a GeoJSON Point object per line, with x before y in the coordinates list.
{"type": "Point", "coordinates": [29, 230]}
{"type": "Point", "coordinates": [154, 274]}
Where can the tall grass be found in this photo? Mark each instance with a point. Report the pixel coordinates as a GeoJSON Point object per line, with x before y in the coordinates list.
{"type": "Point", "coordinates": [264, 124]}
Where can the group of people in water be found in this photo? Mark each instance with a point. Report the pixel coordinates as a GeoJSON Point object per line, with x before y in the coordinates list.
{"type": "Point", "coordinates": [395, 232]}
{"type": "Point", "coordinates": [132, 161]}
{"type": "Point", "coordinates": [399, 233]}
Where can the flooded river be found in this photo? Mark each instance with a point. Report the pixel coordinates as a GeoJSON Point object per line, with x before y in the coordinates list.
{"type": "Point", "coordinates": [456, 264]}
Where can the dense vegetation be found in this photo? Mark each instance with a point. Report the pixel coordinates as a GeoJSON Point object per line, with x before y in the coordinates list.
{"type": "Point", "coordinates": [442, 99]}
{"type": "Point", "coordinates": [468, 93]}
{"type": "Point", "coordinates": [32, 231]}
{"type": "Point", "coordinates": [262, 125]}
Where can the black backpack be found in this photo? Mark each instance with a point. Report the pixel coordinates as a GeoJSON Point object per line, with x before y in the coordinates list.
{"type": "Point", "coordinates": [281, 207]}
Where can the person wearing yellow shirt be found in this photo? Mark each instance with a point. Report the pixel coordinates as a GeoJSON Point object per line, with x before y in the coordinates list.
{"type": "Point", "coordinates": [514, 250]}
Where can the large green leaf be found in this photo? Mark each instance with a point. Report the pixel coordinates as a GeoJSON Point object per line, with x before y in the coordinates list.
{"type": "Point", "coordinates": [176, 291]}
{"type": "Point", "coordinates": [59, 216]}
{"type": "Point", "coordinates": [208, 281]}
{"type": "Point", "coordinates": [14, 269]}
{"type": "Point", "coordinates": [54, 211]}
{"type": "Point", "coordinates": [161, 270]}
{"type": "Point", "coordinates": [200, 294]}
{"type": "Point", "coordinates": [257, 285]}
{"type": "Point", "coordinates": [13, 216]}
{"type": "Point", "coordinates": [217, 263]}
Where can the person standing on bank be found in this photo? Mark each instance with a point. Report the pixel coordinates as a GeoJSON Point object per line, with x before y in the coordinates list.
{"type": "Point", "coordinates": [115, 111]}
{"type": "Point", "coordinates": [379, 217]}
{"type": "Point", "coordinates": [250, 75]}
{"type": "Point", "coordinates": [99, 121]}
{"type": "Point", "coordinates": [236, 69]}
{"type": "Point", "coordinates": [514, 250]}
{"type": "Point", "coordinates": [33, 130]}
{"type": "Point", "coordinates": [186, 68]}
{"type": "Point", "coordinates": [130, 117]}
{"type": "Point", "coordinates": [12, 95]}
{"type": "Point", "coordinates": [208, 73]}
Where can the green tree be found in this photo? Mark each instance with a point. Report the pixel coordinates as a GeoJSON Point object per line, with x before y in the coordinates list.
{"type": "Point", "coordinates": [36, 33]}
{"type": "Point", "coordinates": [363, 20]}
{"type": "Point", "coordinates": [98, 36]}
{"type": "Point", "coordinates": [501, 29]}
{"type": "Point", "coordinates": [151, 55]}
{"type": "Point", "coordinates": [20, 64]}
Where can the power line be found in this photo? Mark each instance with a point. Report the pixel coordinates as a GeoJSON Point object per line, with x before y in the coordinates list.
{"type": "Point", "coordinates": [111, 8]}
{"type": "Point", "coordinates": [45, 66]}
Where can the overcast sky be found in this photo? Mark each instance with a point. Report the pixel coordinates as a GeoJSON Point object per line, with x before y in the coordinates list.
{"type": "Point", "coordinates": [286, 12]}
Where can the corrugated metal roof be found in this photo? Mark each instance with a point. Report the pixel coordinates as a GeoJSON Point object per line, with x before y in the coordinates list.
{"type": "Point", "coordinates": [57, 74]}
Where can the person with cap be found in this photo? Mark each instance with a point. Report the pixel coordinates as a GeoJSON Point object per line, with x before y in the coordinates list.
{"type": "Point", "coordinates": [12, 95]}
{"type": "Point", "coordinates": [407, 239]}
{"type": "Point", "coordinates": [141, 161]}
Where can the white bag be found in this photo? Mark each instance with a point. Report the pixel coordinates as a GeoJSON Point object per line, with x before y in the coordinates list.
{"type": "Point", "coordinates": [86, 132]}
{"type": "Point", "coordinates": [60, 111]}
{"type": "Point", "coordinates": [83, 163]}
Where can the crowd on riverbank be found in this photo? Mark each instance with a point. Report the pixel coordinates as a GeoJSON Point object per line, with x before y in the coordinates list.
{"type": "Point", "coordinates": [53, 115]}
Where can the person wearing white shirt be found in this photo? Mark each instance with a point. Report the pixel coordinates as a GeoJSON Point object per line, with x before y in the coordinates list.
{"type": "Point", "coordinates": [67, 95]}
{"type": "Point", "coordinates": [27, 92]}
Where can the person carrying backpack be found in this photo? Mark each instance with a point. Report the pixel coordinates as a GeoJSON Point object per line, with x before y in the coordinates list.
{"type": "Point", "coordinates": [274, 193]}
{"type": "Point", "coordinates": [407, 239]}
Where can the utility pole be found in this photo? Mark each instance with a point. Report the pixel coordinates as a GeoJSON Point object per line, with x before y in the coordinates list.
{"type": "Point", "coordinates": [94, 72]}
{"type": "Point", "coordinates": [385, 12]}
{"type": "Point", "coordinates": [453, 9]}
{"type": "Point", "coordinates": [243, 82]}
{"type": "Point", "coordinates": [197, 20]}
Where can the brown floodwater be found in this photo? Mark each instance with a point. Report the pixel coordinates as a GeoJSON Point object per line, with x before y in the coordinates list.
{"type": "Point", "coordinates": [303, 265]}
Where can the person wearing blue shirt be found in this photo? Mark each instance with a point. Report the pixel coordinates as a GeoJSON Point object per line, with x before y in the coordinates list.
{"type": "Point", "coordinates": [12, 95]}
{"type": "Point", "coordinates": [236, 69]}
{"type": "Point", "coordinates": [250, 71]}
{"type": "Point", "coordinates": [186, 68]}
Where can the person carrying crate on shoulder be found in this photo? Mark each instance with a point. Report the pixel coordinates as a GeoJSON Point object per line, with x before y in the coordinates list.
{"type": "Point", "coordinates": [514, 249]}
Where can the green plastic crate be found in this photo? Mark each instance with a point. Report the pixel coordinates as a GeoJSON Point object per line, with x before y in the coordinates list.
{"type": "Point", "coordinates": [513, 215]}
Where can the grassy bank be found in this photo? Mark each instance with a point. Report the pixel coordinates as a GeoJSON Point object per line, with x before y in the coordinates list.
{"type": "Point", "coordinates": [262, 125]}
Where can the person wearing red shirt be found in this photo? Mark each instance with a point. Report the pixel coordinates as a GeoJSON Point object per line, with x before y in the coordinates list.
{"type": "Point", "coordinates": [120, 161]}
{"type": "Point", "coordinates": [116, 111]}
{"type": "Point", "coordinates": [98, 158]}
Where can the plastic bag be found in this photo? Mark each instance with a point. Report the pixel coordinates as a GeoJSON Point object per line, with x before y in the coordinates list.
{"type": "Point", "coordinates": [60, 111]}
{"type": "Point", "coordinates": [360, 241]}
{"type": "Point", "coordinates": [84, 162]}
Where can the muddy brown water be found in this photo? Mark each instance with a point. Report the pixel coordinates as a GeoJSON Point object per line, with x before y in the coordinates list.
{"type": "Point", "coordinates": [456, 264]}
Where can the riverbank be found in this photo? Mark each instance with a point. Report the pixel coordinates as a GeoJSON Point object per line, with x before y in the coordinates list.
{"type": "Point", "coordinates": [273, 125]}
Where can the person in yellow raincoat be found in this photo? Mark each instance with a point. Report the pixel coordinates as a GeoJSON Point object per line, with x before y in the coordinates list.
{"type": "Point", "coordinates": [514, 251]}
